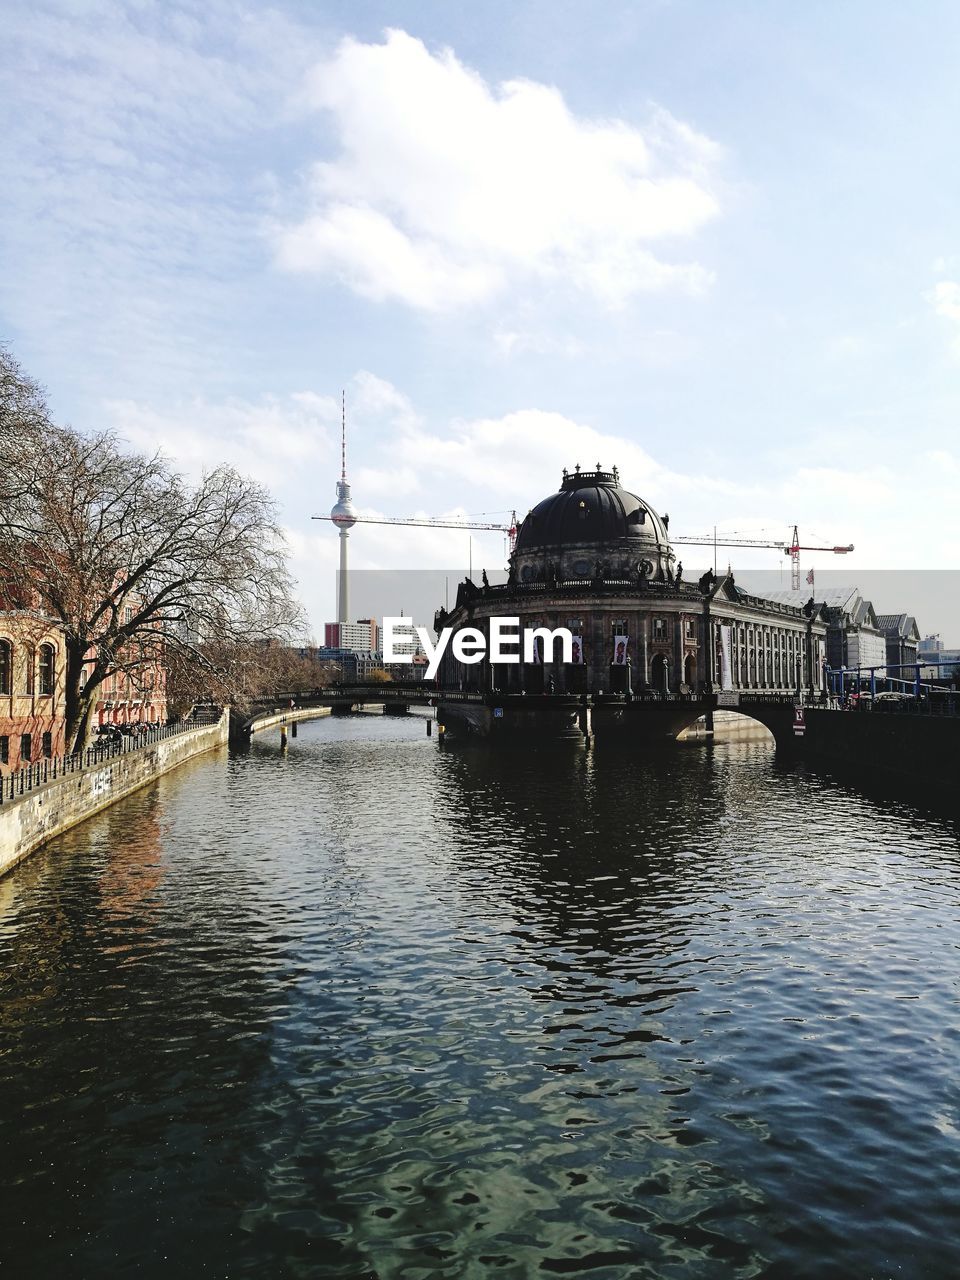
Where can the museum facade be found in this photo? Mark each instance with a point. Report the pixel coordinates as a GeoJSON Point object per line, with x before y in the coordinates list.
{"type": "Point", "coordinates": [596, 559]}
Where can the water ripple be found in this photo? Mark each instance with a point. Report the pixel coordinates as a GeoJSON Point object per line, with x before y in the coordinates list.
{"type": "Point", "coordinates": [373, 1009]}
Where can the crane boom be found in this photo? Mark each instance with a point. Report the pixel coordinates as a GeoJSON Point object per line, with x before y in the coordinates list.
{"type": "Point", "coordinates": [708, 541]}
{"type": "Point", "coordinates": [792, 549]}
{"type": "Point", "coordinates": [431, 522]}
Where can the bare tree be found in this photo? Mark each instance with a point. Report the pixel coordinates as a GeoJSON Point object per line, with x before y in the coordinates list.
{"type": "Point", "coordinates": [134, 564]}
{"type": "Point", "coordinates": [241, 674]}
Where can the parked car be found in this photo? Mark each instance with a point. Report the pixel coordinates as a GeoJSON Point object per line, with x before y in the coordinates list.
{"type": "Point", "coordinates": [894, 697]}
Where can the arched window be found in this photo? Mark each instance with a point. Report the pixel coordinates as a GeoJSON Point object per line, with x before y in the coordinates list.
{"type": "Point", "coordinates": [6, 665]}
{"type": "Point", "coordinates": [46, 669]}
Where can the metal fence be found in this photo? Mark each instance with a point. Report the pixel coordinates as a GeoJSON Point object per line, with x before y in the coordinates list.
{"type": "Point", "coordinates": [933, 706]}
{"type": "Point", "coordinates": [40, 772]}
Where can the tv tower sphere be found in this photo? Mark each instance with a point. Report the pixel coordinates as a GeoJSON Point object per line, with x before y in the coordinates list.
{"type": "Point", "coordinates": [343, 514]}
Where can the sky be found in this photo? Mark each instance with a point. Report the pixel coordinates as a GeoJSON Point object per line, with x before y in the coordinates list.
{"type": "Point", "coordinates": [715, 245]}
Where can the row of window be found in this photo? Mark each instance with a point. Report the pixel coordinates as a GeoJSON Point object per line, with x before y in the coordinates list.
{"type": "Point", "coordinates": [26, 747]}
{"type": "Point", "coordinates": [620, 627]}
{"type": "Point", "coordinates": [764, 655]}
{"type": "Point", "coordinates": [40, 673]}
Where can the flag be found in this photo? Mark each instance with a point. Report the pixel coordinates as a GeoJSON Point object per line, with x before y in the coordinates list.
{"type": "Point", "coordinates": [577, 650]}
{"type": "Point", "coordinates": [810, 578]}
{"type": "Point", "coordinates": [620, 651]}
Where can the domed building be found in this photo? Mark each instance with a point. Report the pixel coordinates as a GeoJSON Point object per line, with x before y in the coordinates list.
{"type": "Point", "coordinates": [592, 526]}
{"type": "Point", "coordinates": [596, 559]}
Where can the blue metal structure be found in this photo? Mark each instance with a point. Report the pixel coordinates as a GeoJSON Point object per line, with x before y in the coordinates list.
{"type": "Point", "coordinates": [837, 678]}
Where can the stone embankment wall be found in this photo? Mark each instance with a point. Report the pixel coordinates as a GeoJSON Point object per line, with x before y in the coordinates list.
{"type": "Point", "coordinates": [288, 716]}
{"type": "Point", "coordinates": [924, 749]}
{"type": "Point", "coordinates": [33, 819]}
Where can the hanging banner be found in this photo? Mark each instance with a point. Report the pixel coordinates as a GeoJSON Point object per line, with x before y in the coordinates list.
{"type": "Point", "coordinates": [620, 651]}
{"type": "Point", "coordinates": [726, 659]}
{"type": "Point", "coordinates": [538, 650]}
{"type": "Point", "coordinates": [577, 657]}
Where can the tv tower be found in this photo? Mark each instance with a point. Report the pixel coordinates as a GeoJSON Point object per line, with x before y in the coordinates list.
{"type": "Point", "coordinates": [344, 517]}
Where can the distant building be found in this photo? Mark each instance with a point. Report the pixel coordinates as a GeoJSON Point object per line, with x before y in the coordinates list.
{"type": "Point", "coordinates": [903, 640]}
{"type": "Point", "coordinates": [415, 669]}
{"type": "Point", "coordinates": [854, 636]}
{"type": "Point", "coordinates": [943, 663]}
{"type": "Point", "coordinates": [363, 636]}
{"type": "Point", "coordinates": [355, 664]}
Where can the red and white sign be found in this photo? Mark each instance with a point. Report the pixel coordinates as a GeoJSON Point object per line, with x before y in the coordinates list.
{"type": "Point", "coordinates": [799, 726]}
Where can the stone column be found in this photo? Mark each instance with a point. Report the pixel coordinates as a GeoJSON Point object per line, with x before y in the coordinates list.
{"type": "Point", "coordinates": [677, 651]}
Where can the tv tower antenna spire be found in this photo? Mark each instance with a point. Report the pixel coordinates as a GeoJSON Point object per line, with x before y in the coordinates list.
{"type": "Point", "coordinates": [344, 516]}
{"type": "Point", "coordinates": [343, 435]}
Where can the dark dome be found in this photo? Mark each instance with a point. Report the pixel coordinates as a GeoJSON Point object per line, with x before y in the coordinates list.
{"type": "Point", "coordinates": [590, 507]}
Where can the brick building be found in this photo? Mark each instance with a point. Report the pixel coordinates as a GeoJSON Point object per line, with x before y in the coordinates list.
{"type": "Point", "coordinates": [131, 697]}
{"type": "Point", "coordinates": [32, 667]}
{"type": "Point", "coordinates": [33, 690]}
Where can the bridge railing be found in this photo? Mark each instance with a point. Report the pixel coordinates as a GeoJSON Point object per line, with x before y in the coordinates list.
{"type": "Point", "coordinates": [427, 691]}
{"type": "Point", "coordinates": [936, 706]}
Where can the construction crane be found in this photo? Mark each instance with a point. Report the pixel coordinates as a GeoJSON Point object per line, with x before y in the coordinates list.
{"type": "Point", "coordinates": [441, 522]}
{"type": "Point", "coordinates": [792, 549]}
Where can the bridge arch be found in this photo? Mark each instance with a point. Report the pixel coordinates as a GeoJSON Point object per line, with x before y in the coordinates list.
{"type": "Point", "coordinates": [666, 718]}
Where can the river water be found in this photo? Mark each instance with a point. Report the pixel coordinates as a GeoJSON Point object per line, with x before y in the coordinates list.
{"type": "Point", "coordinates": [376, 1009]}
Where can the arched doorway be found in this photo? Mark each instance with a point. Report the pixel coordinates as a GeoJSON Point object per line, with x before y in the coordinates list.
{"type": "Point", "coordinates": [660, 673]}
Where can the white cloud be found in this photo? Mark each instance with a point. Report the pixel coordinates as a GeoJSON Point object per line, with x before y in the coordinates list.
{"type": "Point", "coordinates": [512, 342]}
{"type": "Point", "coordinates": [400, 465]}
{"type": "Point", "coordinates": [269, 439]}
{"type": "Point", "coordinates": [128, 213]}
{"type": "Point", "coordinates": [944, 297]}
{"type": "Point", "coordinates": [448, 190]}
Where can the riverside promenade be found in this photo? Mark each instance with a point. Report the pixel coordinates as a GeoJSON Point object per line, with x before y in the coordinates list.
{"type": "Point", "coordinates": [45, 799]}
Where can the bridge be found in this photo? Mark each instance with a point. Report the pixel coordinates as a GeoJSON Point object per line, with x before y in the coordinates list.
{"type": "Point", "coordinates": [915, 742]}
{"type": "Point", "coordinates": [647, 715]}
{"type": "Point", "coordinates": [396, 697]}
